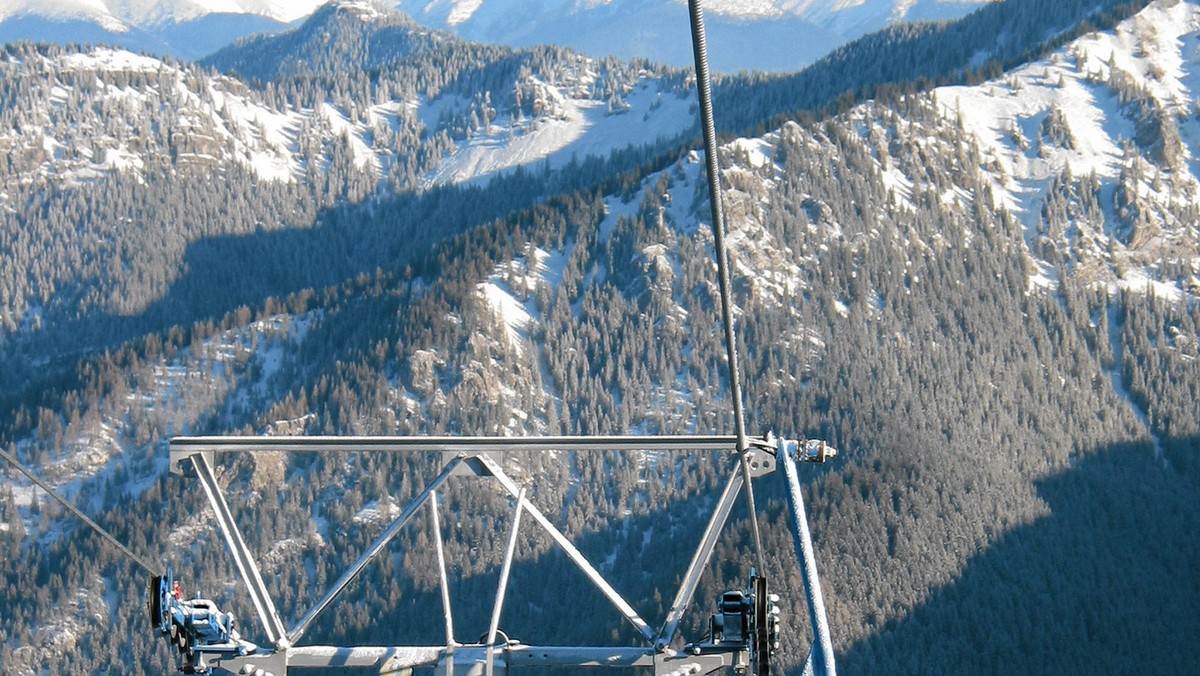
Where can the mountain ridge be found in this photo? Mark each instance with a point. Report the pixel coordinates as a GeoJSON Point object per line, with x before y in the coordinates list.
{"type": "Point", "coordinates": [193, 29]}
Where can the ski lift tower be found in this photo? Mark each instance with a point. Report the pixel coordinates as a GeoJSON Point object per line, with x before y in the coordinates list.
{"type": "Point", "coordinates": [743, 633]}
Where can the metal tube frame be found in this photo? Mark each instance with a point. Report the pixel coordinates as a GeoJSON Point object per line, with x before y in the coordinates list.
{"type": "Point", "coordinates": [475, 453]}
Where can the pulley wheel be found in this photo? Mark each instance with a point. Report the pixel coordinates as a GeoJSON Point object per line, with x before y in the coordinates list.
{"type": "Point", "coordinates": [160, 600]}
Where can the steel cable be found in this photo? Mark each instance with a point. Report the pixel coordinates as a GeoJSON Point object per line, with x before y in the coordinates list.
{"type": "Point", "coordinates": [83, 517]}
{"type": "Point", "coordinates": [704, 89]}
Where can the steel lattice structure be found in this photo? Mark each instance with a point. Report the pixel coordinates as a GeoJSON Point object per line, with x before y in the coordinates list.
{"type": "Point", "coordinates": [743, 630]}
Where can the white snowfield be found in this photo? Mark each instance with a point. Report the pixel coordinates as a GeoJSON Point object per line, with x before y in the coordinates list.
{"type": "Point", "coordinates": [454, 12]}
{"type": "Point", "coordinates": [798, 31]}
{"type": "Point", "coordinates": [584, 128]}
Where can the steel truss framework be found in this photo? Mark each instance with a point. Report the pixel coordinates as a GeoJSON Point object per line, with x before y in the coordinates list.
{"type": "Point", "coordinates": [477, 456]}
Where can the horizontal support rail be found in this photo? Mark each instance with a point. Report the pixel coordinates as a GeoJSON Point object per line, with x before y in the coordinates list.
{"type": "Point", "coordinates": [182, 448]}
{"type": "Point", "coordinates": [397, 659]}
{"type": "Point", "coordinates": [326, 444]}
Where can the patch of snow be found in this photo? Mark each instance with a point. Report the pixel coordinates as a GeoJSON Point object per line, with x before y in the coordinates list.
{"type": "Point", "coordinates": [757, 150]}
{"type": "Point", "coordinates": [373, 513]}
{"type": "Point", "coordinates": [182, 537]}
{"type": "Point", "coordinates": [107, 59]}
{"type": "Point", "coordinates": [121, 159]}
{"type": "Point", "coordinates": [511, 312]}
{"type": "Point", "coordinates": [614, 210]}
{"type": "Point", "coordinates": [342, 126]}
{"type": "Point", "coordinates": [899, 185]}
{"type": "Point", "coordinates": [1137, 281]}
{"type": "Point", "coordinates": [583, 128]}
{"type": "Point", "coordinates": [462, 10]}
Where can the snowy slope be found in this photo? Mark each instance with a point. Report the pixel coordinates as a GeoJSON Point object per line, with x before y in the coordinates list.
{"type": "Point", "coordinates": [1088, 85]}
{"type": "Point", "coordinates": [224, 120]}
{"type": "Point", "coordinates": [829, 13]}
{"type": "Point", "coordinates": [999, 123]}
{"type": "Point", "coordinates": [181, 28]}
{"type": "Point", "coordinates": [578, 127]}
{"type": "Point", "coordinates": [118, 15]}
{"type": "Point", "coordinates": [915, 153]}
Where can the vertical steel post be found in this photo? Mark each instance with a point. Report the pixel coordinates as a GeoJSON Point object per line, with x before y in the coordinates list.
{"type": "Point", "coordinates": [505, 570]}
{"type": "Point", "coordinates": [443, 579]}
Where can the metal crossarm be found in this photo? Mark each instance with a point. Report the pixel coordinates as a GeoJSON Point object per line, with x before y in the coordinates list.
{"type": "Point", "coordinates": [183, 447]}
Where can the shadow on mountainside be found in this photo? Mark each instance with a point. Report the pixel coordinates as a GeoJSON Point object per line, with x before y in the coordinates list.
{"type": "Point", "coordinates": [1107, 584]}
{"type": "Point", "coordinates": [222, 272]}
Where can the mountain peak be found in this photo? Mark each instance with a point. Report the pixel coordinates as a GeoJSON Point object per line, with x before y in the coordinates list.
{"type": "Point", "coordinates": [365, 10]}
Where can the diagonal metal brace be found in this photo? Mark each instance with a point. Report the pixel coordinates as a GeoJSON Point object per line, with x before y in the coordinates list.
{"type": "Point", "coordinates": [372, 551]}
{"type": "Point", "coordinates": [237, 547]}
{"type": "Point", "coordinates": [687, 588]}
{"type": "Point", "coordinates": [571, 551]}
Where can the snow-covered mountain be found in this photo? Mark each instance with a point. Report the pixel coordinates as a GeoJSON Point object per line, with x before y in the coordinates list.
{"type": "Point", "coordinates": [124, 14]}
{"type": "Point", "coordinates": [58, 140]}
{"type": "Point", "coordinates": [1093, 153]}
{"type": "Point", "coordinates": [1096, 150]}
{"type": "Point", "coordinates": [181, 28]}
{"type": "Point", "coordinates": [774, 35]}
{"type": "Point", "coordinates": [745, 34]}
{"type": "Point", "coordinates": [86, 119]}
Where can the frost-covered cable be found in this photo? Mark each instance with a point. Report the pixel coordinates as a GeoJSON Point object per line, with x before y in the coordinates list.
{"type": "Point", "coordinates": [152, 570]}
{"type": "Point", "coordinates": [704, 90]}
